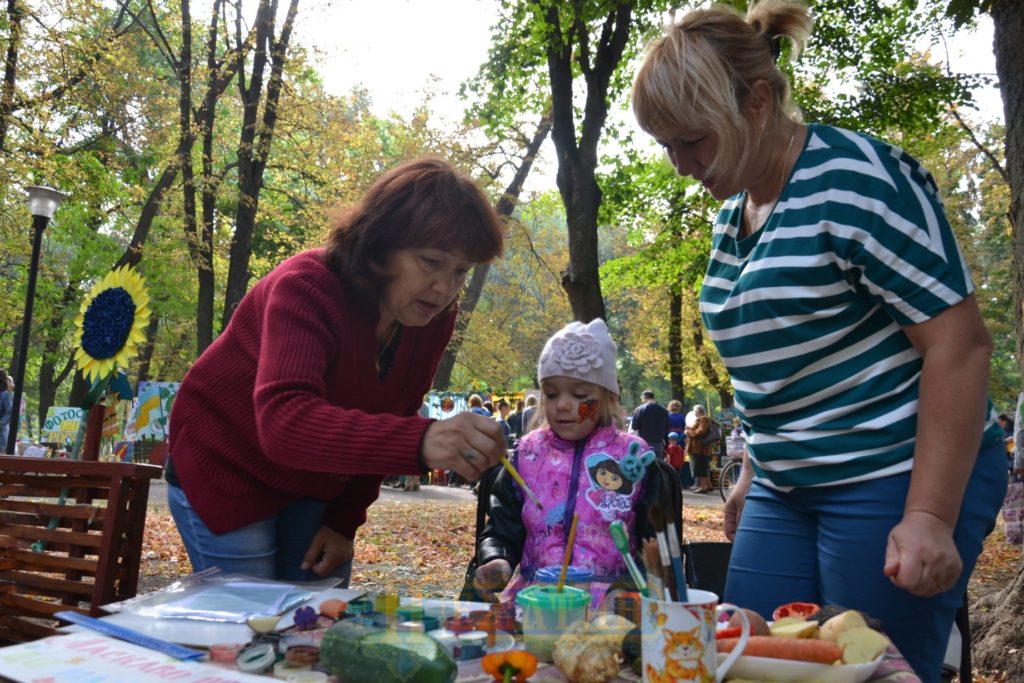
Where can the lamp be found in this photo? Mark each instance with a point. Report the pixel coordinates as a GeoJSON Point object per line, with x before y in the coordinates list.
{"type": "Point", "coordinates": [43, 202]}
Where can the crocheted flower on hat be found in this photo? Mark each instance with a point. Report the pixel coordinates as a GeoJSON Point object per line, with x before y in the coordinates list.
{"type": "Point", "coordinates": [576, 352]}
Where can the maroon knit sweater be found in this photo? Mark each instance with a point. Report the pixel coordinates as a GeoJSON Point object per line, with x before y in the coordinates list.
{"type": "Point", "coordinates": [287, 403]}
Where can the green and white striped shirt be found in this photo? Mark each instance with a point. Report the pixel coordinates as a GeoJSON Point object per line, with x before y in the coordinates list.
{"type": "Point", "coordinates": [806, 313]}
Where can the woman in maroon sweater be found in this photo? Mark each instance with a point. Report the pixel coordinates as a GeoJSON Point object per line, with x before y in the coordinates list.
{"type": "Point", "coordinates": [285, 426]}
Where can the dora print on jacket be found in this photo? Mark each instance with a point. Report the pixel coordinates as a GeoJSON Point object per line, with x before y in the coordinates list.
{"type": "Point", "coordinates": [613, 483]}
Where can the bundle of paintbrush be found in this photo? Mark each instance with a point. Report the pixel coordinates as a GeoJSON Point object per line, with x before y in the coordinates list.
{"type": "Point", "coordinates": [665, 556]}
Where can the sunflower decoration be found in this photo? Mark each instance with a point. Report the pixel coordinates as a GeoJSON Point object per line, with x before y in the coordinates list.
{"type": "Point", "coordinates": [111, 323]}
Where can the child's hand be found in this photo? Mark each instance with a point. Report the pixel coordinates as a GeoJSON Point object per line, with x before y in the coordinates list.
{"type": "Point", "coordinates": [491, 578]}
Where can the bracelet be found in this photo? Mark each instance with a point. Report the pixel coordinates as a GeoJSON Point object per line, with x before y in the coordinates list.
{"type": "Point", "coordinates": [256, 658]}
{"type": "Point", "coordinates": [302, 655]}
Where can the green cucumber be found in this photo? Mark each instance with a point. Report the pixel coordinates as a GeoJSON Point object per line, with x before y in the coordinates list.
{"type": "Point", "coordinates": [357, 653]}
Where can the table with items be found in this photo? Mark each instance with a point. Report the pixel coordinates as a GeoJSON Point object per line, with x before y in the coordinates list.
{"type": "Point", "coordinates": [314, 632]}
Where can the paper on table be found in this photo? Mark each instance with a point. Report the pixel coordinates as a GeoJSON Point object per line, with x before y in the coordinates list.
{"type": "Point", "coordinates": [92, 658]}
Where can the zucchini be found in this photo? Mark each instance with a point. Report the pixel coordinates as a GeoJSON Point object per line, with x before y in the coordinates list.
{"type": "Point", "coordinates": [357, 653]}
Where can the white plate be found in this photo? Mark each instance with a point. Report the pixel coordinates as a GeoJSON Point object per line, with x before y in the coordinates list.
{"type": "Point", "coordinates": [768, 669]}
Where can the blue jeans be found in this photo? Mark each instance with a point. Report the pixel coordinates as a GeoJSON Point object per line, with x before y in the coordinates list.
{"type": "Point", "coordinates": [827, 545]}
{"type": "Point", "coordinates": [270, 549]}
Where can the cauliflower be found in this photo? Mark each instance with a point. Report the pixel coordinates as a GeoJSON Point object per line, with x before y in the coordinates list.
{"type": "Point", "coordinates": [584, 656]}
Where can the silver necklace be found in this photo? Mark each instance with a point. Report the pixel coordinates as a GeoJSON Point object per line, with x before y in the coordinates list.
{"type": "Point", "coordinates": [761, 214]}
{"type": "Point", "coordinates": [387, 345]}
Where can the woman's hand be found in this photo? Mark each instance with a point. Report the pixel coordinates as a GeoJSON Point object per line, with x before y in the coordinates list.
{"type": "Point", "coordinates": [491, 578]}
{"type": "Point", "coordinates": [738, 498]}
{"type": "Point", "coordinates": [468, 443]}
{"type": "Point", "coordinates": [328, 551]}
{"type": "Point", "coordinates": [734, 507]}
{"type": "Point", "coordinates": [921, 556]}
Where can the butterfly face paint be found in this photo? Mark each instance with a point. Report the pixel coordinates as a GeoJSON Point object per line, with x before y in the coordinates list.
{"type": "Point", "coordinates": [588, 409]}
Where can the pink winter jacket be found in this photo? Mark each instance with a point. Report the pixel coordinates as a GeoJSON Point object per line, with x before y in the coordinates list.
{"type": "Point", "coordinates": [598, 478]}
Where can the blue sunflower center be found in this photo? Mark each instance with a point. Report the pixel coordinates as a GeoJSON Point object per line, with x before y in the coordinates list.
{"type": "Point", "coordinates": [107, 323]}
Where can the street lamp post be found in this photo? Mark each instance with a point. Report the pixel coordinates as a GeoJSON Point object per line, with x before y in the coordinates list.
{"type": "Point", "coordinates": [43, 203]}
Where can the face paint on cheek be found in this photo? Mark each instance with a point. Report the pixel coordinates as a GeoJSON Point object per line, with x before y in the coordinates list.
{"type": "Point", "coordinates": [588, 409]}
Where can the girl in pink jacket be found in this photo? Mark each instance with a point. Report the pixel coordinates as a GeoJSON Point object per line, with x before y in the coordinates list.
{"type": "Point", "coordinates": [578, 463]}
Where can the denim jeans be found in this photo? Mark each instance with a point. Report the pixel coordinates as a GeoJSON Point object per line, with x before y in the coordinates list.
{"type": "Point", "coordinates": [827, 545]}
{"type": "Point", "coordinates": [270, 549]}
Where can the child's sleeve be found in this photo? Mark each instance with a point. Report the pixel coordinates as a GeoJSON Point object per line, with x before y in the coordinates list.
{"type": "Point", "coordinates": [504, 534]}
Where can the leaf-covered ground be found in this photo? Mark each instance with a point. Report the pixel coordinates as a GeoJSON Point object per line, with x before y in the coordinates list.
{"type": "Point", "coordinates": [422, 547]}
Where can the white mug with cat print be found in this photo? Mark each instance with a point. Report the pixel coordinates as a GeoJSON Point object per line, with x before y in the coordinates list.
{"type": "Point", "coordinates": [678, 639]}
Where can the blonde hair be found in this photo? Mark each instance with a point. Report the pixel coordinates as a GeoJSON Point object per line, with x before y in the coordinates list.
{"type": "Point", "coordinates": [475, 401]}
{"type": "Point", "coordinates": [697, 76]}
{"type": "Point", "coordinates": [675, 405]}
{"type": "Point", "coordinates": [608, 412]}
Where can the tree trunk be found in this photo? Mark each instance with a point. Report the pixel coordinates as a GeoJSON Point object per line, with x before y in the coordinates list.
{"type": "Point", "coordinates": [15, 15]}
{"type": "Point", "coordinates": [506, 205]}
{"type": "Point", "coordinates": [577, 158]}
{"type": "Point", "coordinates": [675, 347]}
{"type": "Point", "coordinates": [719, 383]}
{"type": "Point", "coordinates": [253, 150]}
{"type": "Point", "coordinates": [998, 638]}
{"type": "Point", "coordinates": [145, 359]}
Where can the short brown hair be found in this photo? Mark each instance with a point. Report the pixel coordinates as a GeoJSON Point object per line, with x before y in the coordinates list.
{"type": "Point", "coordinates": [419, 203]}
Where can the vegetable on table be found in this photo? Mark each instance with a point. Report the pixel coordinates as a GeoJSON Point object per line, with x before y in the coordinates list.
{"type": "Point", "coordinates": [795, 609]}
{"type": "Point", "coordinates": [861, 644]}
{"type": "Point", "coordinates": [333, 608]}
{"type": "Point", "coordinates": [799, 649]}
{"type": "Point", "coordinates": [510, 665]}
{"type": "Point", "coordinates": [358, 653]}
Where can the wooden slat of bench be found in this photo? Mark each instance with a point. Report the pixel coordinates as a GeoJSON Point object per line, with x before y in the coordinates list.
{"type": "Point", "coordinates": [29, 560]}
{"type": "Point", "coordinates": [51, 586]}
{"type": "Point", "coordinates": [82, 539]}
{"type": "Point", "coordinates": [49, 509]}
{"type": "Point", "coordinates": [57, 481]}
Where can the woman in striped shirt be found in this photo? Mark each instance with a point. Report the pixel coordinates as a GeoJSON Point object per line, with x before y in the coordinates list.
{"type": "Point", "coordinates": [840, 303]}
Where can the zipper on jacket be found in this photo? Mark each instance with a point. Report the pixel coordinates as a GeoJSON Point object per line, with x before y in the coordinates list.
{"type": "Point", "coordinates": [574, 485]}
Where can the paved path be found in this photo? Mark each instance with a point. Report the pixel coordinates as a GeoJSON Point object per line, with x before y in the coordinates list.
{"type": "Point", "coordinates": [158, 495]}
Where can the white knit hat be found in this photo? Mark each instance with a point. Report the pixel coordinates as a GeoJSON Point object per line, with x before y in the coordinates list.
{"type": "Point", "coordinates": [584, 352]}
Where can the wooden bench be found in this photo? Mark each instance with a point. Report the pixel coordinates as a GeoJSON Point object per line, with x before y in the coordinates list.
{"type": "Point", "coordinates": [90, 556]}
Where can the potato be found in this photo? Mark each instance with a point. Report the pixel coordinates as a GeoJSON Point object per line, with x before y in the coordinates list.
{"type": "Point", "coordinates": [841, 623]}
{"type": "Point", "coordinates": [758, 626]}
{"type": "Point", "coordinates": [861, 644]}
{"type": "Point", "coordinates": [795, 629]}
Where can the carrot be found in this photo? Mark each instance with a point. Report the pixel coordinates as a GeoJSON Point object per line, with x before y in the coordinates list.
{"type": "Point", "coordinates": [729, 632]}
{"type": "Point", "coordinates": [800, 649]}
{"type": "Point", "coordinates": [333, 608]}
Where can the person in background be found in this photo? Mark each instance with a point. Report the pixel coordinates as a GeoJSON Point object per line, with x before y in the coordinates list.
{"type": "Point", "coordinates": [528, 414]}
{"type": "Point", "coordinates": [1008, 441]}
{"type": "Point", "coordinates": [6, 407]}
{"type": "Point", "coordinates": [843, 310]}
{"type": "Point", "coordinates": [283, 429]}
{"type": "Point", "coordinates": [676, 418]}
{"type": "Point", "coordinates": [578, 463]}
{"type": "Point", "coordinates": [1018, 440]}
{"type": "Point", "coordinates": [650, 422]}
{"type": "Point", "coordinates": [506, 429]}
{"type": "Point", "coordinates": [698, 451]}
{"type": "Point", "coordinates": [676, 457]}
{"type": "Point", "coordinates": [515, 420]}
{"type": "Point", "coordinates": [476, 405]}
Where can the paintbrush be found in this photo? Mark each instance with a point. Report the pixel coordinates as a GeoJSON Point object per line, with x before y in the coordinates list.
{"type": "Point", "coordinates": [668, 526]}
{"type": "Point", "coordinates": [655, 586]}
{"type": "Point", "coordinates": [568, 551]}
{"type": "Point", "coordinates": [519, 480]}
{"type": "Point", "coordinates": [618, 531]}
{"type": "Point", "coordinates": [658, 522]}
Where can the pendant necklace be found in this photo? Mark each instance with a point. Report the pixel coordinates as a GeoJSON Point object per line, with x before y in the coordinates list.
{"type": "Point", "coordinates": [387, 345]}
{"type": "Point", "coordinates": [761, 215]}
